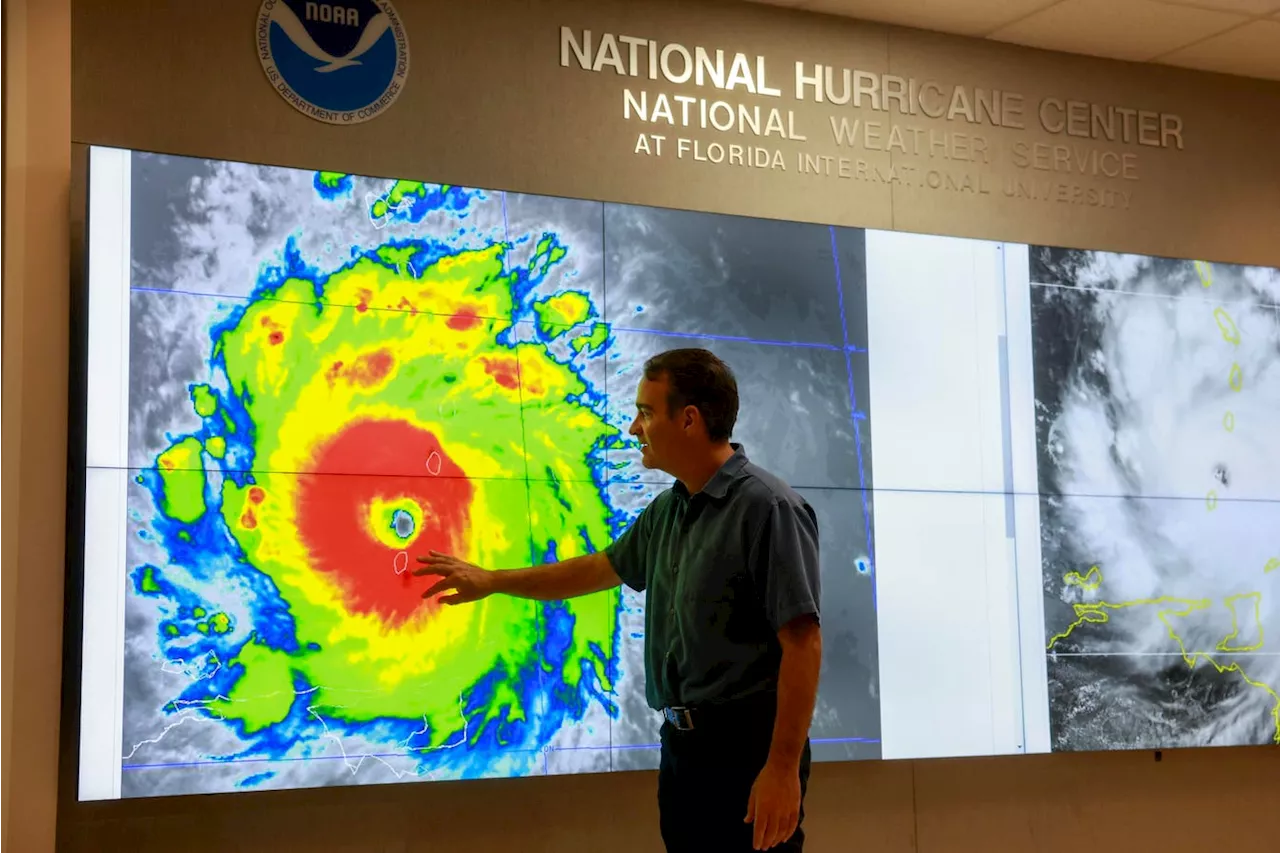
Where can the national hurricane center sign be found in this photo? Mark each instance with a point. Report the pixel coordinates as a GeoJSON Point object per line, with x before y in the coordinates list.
{"type": "Point", "coordinates": [725, 108]}
{"type": "Point", "coordinates": [339, 63]}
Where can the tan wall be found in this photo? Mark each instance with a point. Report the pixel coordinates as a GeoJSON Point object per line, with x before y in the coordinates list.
{"type": "Point", "coordinates": [139, 83]}
{"type": "Point", "coordinates": [488, 105]}
{"type": "Point", "coordinates": [37, 176]}
{"type": "Point", "coordinates": [1191, 801]}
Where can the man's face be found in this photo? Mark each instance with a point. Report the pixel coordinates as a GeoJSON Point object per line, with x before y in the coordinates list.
{"type": "Point", "coordinates": [659, 433]}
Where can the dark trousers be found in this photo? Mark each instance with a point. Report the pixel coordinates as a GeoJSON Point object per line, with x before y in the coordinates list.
{"type": "Point", "coordinates": [705, 780]}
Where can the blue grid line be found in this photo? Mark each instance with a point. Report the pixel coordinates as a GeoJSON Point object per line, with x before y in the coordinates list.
{"type": "Point", "coordinates": [815, 741]}
{"type": "Point", "coordinates": [358, 756]}
{"type": "Point", "coordinates": [539, 620]}
{"type": "Point", "coordinates": [738, 339]}
{"type": "Point", "coordinates": [236, 297]}
{"type": "Point", "coordinates": [506, 225]}
{"type": "Point", "coordinates": [853, 411]}
{"type": "Point", "coordinates": [606, 492]}
{"type": "Point", "coordinates": [618, 479]}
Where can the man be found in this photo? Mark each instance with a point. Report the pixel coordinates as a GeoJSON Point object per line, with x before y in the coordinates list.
{"type": "Point", "coordinates": [728, 561]}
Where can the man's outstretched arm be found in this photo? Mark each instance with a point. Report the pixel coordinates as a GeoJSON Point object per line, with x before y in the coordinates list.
{"type": "Point", "coordinates": [623, 561]}
{"type": "Point", "coordinates": [461, 582]}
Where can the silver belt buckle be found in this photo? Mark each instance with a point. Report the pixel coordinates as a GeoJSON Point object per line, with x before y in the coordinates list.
{"type": "Point", "coordinates": [681, 718]}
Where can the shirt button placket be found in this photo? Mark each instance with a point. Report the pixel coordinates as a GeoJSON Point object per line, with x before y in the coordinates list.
{"type": "Point", "coordinates": [675, 576]}
{"type": "Point", "coordinates": [683, 528]}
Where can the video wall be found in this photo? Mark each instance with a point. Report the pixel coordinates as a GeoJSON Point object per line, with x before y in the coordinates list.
{"type": "Point", "coordinates": [1062, 537]}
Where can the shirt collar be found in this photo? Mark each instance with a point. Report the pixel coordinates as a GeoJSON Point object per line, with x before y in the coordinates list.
{"type": "Point", "coordinates": [718, 486]}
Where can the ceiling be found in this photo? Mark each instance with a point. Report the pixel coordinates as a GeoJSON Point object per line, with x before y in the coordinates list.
{"type": "Point", "coordinates": [1229, 36]}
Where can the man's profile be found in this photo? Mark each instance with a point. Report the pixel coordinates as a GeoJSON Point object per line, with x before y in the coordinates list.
{"type": "Point", "coordinates": [727, 559]}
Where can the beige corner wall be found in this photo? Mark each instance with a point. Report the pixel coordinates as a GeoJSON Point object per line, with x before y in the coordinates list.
{"type": "Point", "coordinates": [37, 158]}
{"type": "Point", "coordinates": [208, 97]}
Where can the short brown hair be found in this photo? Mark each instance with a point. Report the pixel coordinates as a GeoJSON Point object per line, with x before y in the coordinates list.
{"type": "Point", "coordinates": [700, 379]}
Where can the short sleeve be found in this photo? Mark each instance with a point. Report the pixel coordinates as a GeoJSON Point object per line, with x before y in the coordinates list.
{"type": "Point", "coordinates": [628, 554]}
{"type": "Point", "coordinates": [786, 563]}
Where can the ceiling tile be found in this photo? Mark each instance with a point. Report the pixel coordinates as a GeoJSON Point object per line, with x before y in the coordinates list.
{"type": "Point", "coordinates": [1244, 7]}
{"type": "Point", "coordinates": [1252, 51]}
{"type": "Point", "coordinates": [970, 17]}
{"type": "Point", "coordinates": [1120, 29]}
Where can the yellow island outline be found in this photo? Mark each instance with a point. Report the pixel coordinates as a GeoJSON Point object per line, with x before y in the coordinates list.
{"type": "Point", "coordinates": [1098, 613]}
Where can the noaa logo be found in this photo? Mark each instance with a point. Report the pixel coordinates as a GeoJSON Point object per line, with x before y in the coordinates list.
{"type": "Point", "coordinates": [340, 63]}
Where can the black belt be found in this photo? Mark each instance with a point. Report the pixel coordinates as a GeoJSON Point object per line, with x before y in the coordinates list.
{"type": "Point", "coordinates": [713, 715]}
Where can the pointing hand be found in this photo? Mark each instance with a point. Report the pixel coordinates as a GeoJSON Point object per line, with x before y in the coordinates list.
{"type": "Point", "coordinates": [463, 581]}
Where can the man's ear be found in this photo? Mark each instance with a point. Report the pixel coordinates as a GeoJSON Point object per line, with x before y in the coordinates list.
{"type": "Point", "coordinates": [690, 417]}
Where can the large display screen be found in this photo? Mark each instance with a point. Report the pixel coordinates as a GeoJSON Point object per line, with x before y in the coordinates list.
{"type": "Point", "coordinates": [1158, 436]}
{"type": "Point", "coordinates": [1062, 537]}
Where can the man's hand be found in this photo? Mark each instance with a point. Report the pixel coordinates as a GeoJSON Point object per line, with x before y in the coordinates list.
{"type": "Point", "coordinates": [774, 805]}
{"type": "Point", "coordinates": [464, 582]}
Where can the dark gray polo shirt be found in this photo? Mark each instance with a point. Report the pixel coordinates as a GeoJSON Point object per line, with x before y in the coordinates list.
{"type": "Point", "coordinates": [722, 571]}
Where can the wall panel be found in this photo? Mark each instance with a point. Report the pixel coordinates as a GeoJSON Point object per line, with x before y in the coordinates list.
{"type": "Point", "coordinates": [37, 178]}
